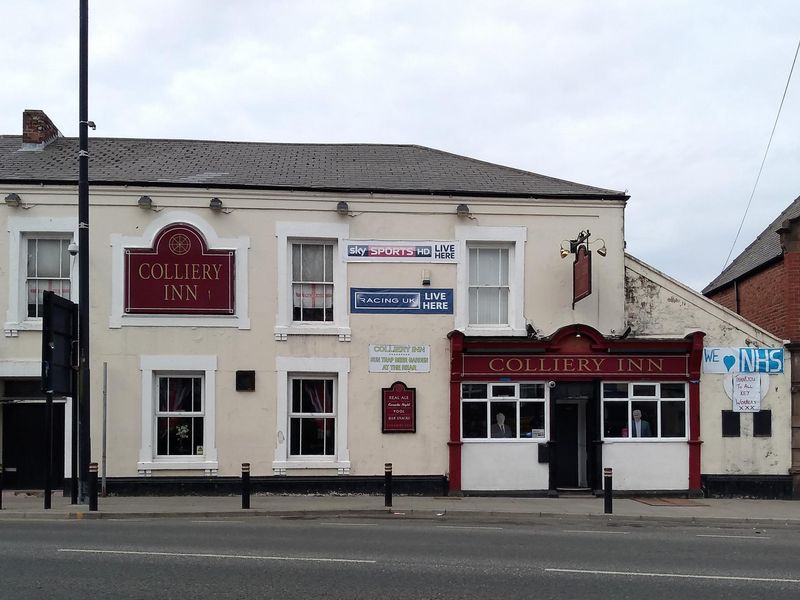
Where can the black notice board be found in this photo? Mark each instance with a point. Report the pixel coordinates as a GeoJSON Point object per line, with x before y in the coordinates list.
{"type": "Point", "coordinates": [59, 330]}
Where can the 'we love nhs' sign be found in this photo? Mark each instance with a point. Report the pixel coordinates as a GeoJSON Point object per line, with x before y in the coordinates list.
{"type": "Point", "coordinates": [743, 360]}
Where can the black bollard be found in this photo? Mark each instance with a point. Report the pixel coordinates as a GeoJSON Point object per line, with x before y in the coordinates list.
{"type": "Point", "coordinates": [387, 484]}
{"type": "Point", "coordinates": [93, 486]}
{"type": "Point", "coordinates": [245, 485]}
{"type": "Point", "coordinates": [607, 490]}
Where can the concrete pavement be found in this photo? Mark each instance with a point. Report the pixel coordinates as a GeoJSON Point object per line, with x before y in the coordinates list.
{"type": "Point", "coordinates": [726, 512]}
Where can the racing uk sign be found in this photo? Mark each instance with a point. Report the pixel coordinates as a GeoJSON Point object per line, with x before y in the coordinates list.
{"type": "Point", "coordinates": [416, 301]}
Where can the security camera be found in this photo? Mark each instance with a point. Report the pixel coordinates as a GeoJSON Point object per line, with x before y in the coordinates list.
{"type": "Point", "coordinates": [551, 384]}
{"type": "Point", "coordinates": [72, 248]}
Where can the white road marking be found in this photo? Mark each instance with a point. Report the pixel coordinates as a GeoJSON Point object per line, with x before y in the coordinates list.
{"type": "Point", "coordinates": [738, 537]}
{"type": "Point", "coordinates": [351, 524]}
{"type": "Point", "coordinates": [468, 527]}
{"type": "Point", "coordinates": [675, 575]}
{"type": "Point", "coordinates": [238, 556]}
{"type": "Point", "coordinates": [591, 531]}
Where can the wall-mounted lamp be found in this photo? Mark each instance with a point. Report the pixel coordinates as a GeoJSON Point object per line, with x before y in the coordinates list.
{"type": "Point", "coordinates": [571, 246]}
{"type": "Point", "coordinates": [215, 204]}
{"type": "Point", "coordinates": [13, 200]}
{"type": "Point", "coordinates": [342, 208]}
{"type": "Point", "coordinates": [426, 276]}
{"type": "Point", "coordinates": [146, 203]}
{"type": "Point", "coordinates": [462, 210]}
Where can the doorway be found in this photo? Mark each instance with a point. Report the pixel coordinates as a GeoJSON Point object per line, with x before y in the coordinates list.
{"type": "Point", "coordinates": [573, 409]}
{"type": "Point", "coordinates": [24, 445]}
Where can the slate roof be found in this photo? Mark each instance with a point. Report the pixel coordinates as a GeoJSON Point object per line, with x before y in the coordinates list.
{"type": "Point", "coordinates": [765, 248]}
{"type": "Point", "coordinates": [404, 169]}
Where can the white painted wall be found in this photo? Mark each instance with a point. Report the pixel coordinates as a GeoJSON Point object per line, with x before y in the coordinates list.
{"type": "Point", "coordinates": [499, 466]}
{"type": "Point", "coordinates": [648, 465]}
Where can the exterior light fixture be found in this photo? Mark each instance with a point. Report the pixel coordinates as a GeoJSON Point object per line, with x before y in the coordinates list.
{"type": "Point", "coordinates": [462, 210]}
{"type": "Point", "coordinates": [342, 208]}
{"type": "Point", "coordinates": [215, 204]}
{"type": "Point", "coordinates": [13, 200]}
{"type": "Point", "coordinates": [582, 240]}
{"type": "Point", "coordinates": [146, 203]}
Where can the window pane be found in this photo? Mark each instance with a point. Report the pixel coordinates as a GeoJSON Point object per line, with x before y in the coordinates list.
{"type": "Point", "coordinates": [503, 300]}
{"type": "Point", "coordinates": [473, 390]}
{"type": "Point", "coordinates": [615, 419]}
{"type": "Point", "coordinates": [313, 263]}
{"type": "Point", "coordinates": [503, 279]}
{"type": "Point", "coordinates": [65, 258]}
{"type": "Point", "coordinates": [473, 266]}
{"type": "Point", "coordinates": [197, 431]}
{"type": "Point", "coordinates": [35, 299]}
{"type": "Point", "coordinates": [163, 394]}
{"type": "Point", "coordinates": [329, 396]}
{"type": "Point", "coordinates": [297, 261]}
{"type": "Point", "coordinates": [31, 258]}
{"type": "Point", "coordinates": [531, 390]}
{"type": "Point", "coordinates": [473, 419]}
{"type": "Point", "coordinates": [175, 436]}
{"type": "Point", "coordinates": [473, 305]}
{"type": "Point", "coordinates": [197, 394]}
{"type": "Point", "coordinates": [503, 391]}
{"type": "Point", "coordinates": [179, 395]}
{"type": "Point", "coordinates": [312, 302]}
{"type": "Point", "coordinates": [297, 395]}
{"type": "Point", "coordinates": [488, 305]}
{"type": "Point", "coordinates": [48, 258]}
{"type": "Point", "coordinates": [294, 436]}
{"type": "Point", "coordinates": [531, 419]}
{"type": "Point", "coordinates": [644, 389]}
{"type": "Point", "coordinates": [673, 418]}
{"type": "Point", "coordinates": [328, 275]}
{"type": "Point", "coordinates": [648, 411]}
{"type": "Point", "coordinates": [504, 419]}
{"type": "Point", "coordinates": [673, 390]}
{"type": "Point", "coordinates": [312, 437]}
{"type": "Point", "coordinates": [615, 390]}
{"type": "Point", "coordinates": [488, 266]}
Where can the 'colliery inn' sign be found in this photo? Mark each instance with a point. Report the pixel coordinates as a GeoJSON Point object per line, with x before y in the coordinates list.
{"type": "Point", "coordinates": [179, 275]}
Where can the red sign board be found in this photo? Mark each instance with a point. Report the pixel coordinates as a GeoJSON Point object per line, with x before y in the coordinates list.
{"type": "Point", "coordinates": [179, 275]}
{"type": "Point", "coordinates": [399, 408]}
{"type": "Point", "coordinates": [593, 365]}
{"type": "Point", "coordinates": [581, 274]}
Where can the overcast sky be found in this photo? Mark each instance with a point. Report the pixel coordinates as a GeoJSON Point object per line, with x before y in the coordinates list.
{"type": "Point", "coordinates": [672, 101]}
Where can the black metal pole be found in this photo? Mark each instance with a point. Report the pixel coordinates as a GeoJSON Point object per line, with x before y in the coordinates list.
{"type": "Point", "coordinates": [245, 485]}
{"type": "Point", "coordinates": [93, 486]}
{"type": "Point", "coordinates": [1, 486]}
{"type": "Point", "coordinates": [607, 491]}
{"type": "Point", "coordinates": [83, 251]}
{"type": "Point", "coordinates": [48, 463]}
{"type": "Point", "coordinates": [387, 484]}
{"type": "Point", "coordinates": [73, 484]}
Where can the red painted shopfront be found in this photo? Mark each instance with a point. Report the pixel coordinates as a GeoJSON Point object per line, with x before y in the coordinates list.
{"type": "Point", "coordinates": [563, 398]}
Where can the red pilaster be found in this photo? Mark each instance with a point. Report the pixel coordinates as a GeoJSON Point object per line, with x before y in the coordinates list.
{"type": "Point", "coordinates": [454, 444]}
{"type": "Point", "coordinates": [695, 363]}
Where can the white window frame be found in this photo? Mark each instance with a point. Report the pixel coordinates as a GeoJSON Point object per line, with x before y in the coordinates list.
{"type": "Point", "coordinates": [657, 398]}
{"type": "Point", "coordinates": [19, 230]}
{"type": "Point", "coordinates": [241, 245]}
{"type": "Point", "coordinates": [517, 400]}
{"type": "Point", "coordinates": [335, 368]}
{"type": "Point", "coordinates": [286, 233]}
{"type": "Point", "coordinates": [512, 237]}
{"type": "Point", "coordinates": [175, 365]}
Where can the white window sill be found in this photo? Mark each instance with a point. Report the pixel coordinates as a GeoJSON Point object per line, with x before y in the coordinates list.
{"type": "Point", "coordinates": [281, 466]}
{"type": "Point", "coordinates": [283, 331]}
{"type": "Point", "coordinates": [641, 440]}
{"type": "Point", "coordinates": [536, 440]}
{"type": "Point", "coordinates": [26, 325]}
{"type": "Point", "coordinates": [493, 331]}
{"type": "Point", "coordinates": [178, 465]}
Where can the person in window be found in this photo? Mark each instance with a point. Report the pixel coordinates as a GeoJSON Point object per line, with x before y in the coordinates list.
{"type": "Point", "coordinates": [640, 427]}
{"type": "Point", "coordinates": [500, 429]}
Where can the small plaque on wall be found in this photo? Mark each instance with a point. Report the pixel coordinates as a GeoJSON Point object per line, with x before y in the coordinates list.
{"type": "Point", "coordinates": [399, 408]}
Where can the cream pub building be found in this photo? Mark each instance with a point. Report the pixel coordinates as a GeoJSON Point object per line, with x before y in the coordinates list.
{"type": "Point", "coordinates": [321, 310]}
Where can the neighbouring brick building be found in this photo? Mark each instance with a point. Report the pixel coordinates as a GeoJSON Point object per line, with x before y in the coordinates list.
{"type": "Point", "coordinates": [763, 285]}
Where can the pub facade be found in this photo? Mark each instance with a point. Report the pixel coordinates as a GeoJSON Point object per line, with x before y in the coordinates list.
{"type": "Point", "coordinates": [318, 311]}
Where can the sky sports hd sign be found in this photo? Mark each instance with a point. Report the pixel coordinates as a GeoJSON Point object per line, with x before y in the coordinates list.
{"type": "Point", "coordinates": [399, 301]}
{"type": "Point", "coordinates": [743, 360]}
{"type": "Point", "coordinates": [399, 251]}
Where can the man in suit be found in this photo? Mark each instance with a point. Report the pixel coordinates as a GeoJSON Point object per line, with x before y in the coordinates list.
{"type": "Point", "coordinates": [639, 427]}
{"type": "Point", "coordinates": [500, 429]}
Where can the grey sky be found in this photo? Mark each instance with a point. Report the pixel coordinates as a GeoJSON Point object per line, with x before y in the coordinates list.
{"type": "Point", "coordinates": [672, 101]}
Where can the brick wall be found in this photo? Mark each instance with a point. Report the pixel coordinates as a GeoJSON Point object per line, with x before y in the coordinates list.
{"type": "Point", "coordinates": [763, 299]}
{"type": "Point", "coordinates": [37, 128]}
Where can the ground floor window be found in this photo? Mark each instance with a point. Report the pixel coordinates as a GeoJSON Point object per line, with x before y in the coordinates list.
{"type": "Point", "coordinates": [644, 410]}
{"type": "Point", "coordinates": [503, 410]}
{"type": "Point", "coordinates": [312, 416]}
{"type": "Point", "coordinates": [179, 415]}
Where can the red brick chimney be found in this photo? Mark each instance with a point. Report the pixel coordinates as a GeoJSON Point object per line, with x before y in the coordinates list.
{"type": "Point", "coordinates": [38, 129]}
{"type": "Point", "coordinates": [790, 242]}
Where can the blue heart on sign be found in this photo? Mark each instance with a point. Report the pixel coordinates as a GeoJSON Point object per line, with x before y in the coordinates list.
{"type": "Point", "coordinates": [729, 361]}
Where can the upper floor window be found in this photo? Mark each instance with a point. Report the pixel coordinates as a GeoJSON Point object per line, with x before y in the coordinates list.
{"type": "Point", "coordinates": [48, 268]}
{"type": "Point", "coordinates": [491, 280]}
{"type": "Point", "coordinates": [312, 281]}
{"type": "Point", "coordinates": [488, 285]}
